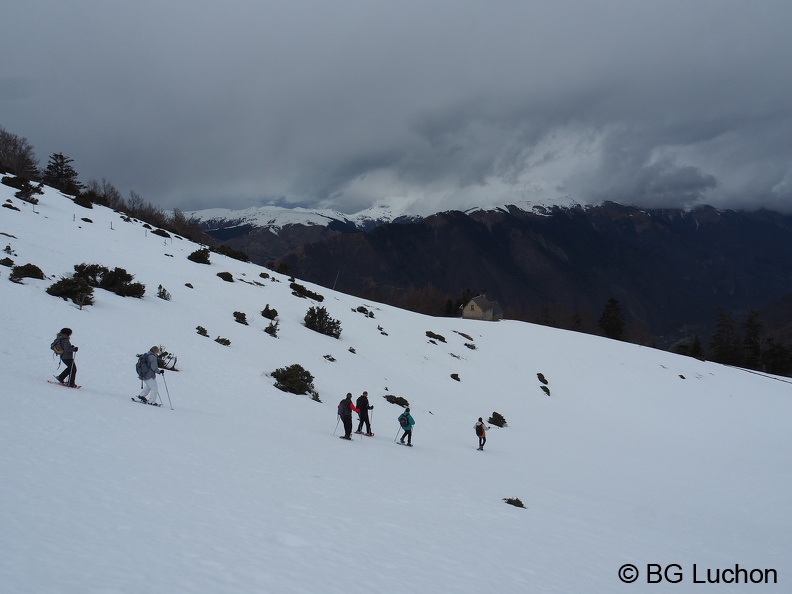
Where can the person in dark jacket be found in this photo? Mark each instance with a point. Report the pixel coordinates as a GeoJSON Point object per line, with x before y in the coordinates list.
{"type": "Point", "coordinates": [148, 375]}
{"type": "Point", "coordinates": [481, 432]}
{"type": "Point", "coordinates": [345, 408]}
{"type": "Point", "coordinates": [363, 408]}
{"type": "Point", "coordinates": [64, 345]}
{"type": "Point", "coordinates": [407, 426]}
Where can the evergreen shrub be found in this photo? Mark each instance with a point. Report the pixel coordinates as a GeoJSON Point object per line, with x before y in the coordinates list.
{"type": "Point", "coordinates": [497, 420]}
{"type": "Point", "coordinates": [318, 320]}
{"type": "Point", "coordinates": [75, 288]}
{"type": "Point", "coordinates": [293, 379]}
{"type": "Point", "coordinates": [26, 271]}
{"type": "Point", "coordinates": [434, 336]}
{"type": "Point", "coordinates": [200, 256]}
{"type": "Point", "coordinates": [117, 280]}
{"type": "Point", "coordinates": [301, 291]}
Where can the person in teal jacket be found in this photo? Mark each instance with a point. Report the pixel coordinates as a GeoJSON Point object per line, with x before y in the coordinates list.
{"type": "Point", "coordinates": [407, 426]}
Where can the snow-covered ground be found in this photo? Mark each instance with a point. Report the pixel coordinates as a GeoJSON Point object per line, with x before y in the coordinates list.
{"type": "Point", "coordinates": [637, 456]}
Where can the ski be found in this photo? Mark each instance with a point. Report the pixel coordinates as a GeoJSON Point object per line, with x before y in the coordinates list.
{"type": "Point", "coordinates": [63, 385]}
{"type": "Point", "coordinates": [149, 403]}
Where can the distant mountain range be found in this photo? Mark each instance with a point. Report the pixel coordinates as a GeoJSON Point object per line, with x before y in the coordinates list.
{"type": "Point", "coordinates": [671, 270]}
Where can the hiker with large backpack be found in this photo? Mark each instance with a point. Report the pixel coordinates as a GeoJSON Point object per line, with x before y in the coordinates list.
{"type": "Point", "coordinates": [363, 408]}
{"type": "Point", "coordinates": [345, 408]}
{"type": "Point", "coordinates": [406, 422]}
{"type": "Point", "coordinates": [147, 369]}
{"type": "Point", "coordinates": [481, 431]}
{"type": "Point", "coordinates": [62, 347]}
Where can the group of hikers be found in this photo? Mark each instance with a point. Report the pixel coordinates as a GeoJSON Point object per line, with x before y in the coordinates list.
{"type": "Point", "coordinates": [406, 422]}
{"type": "Point", "coordinates": [147, 367]}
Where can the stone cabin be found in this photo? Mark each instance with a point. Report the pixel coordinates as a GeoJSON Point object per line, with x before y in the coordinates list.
{"type": "Point", "coordinates": [481, 308]}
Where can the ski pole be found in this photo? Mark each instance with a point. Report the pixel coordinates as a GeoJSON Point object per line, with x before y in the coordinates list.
{"type": "Point", "coordinates": [397, 434]}
{"type": "Point", "coordinates": [73, 370]}
{"type": "Point", "coordinates": [166, 391]}
{"type": "Point", "coordinates": [337, 422]}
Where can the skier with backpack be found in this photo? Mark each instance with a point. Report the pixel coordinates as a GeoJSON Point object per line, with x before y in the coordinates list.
{"type": "Point", "coordinates": [147, 370]}
{"type": "Point", "coordinates": [62, 347]}
{"type": "Point", "coordinates": [345, 408]}
{"type": "Point", "coordinates": [406, 422]}
{"type": "Point", "coordinates": [363, 408]}
{"type": "Point", "coordinates": [481, 431]}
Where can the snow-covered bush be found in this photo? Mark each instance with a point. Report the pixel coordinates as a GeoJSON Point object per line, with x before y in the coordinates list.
{"type": "Point", "coordinates": [301, 291]}
{"type": "Point", "coordinates": [117, 280]}
{"type": "Point", "coordinates": [497, 420]}
{"type": "Point", "coordinates": [318, 320]}
{"type": "Point", "coordinates": [293, 379]}
{"type": "Point", "coordinates": [26, 271]}
{"type": "Point", "coordinates": [434, 336]}
{"type": "Point", "coordinates": [75, 288]}
{"type": "Point", "coordinates": [199, 256]}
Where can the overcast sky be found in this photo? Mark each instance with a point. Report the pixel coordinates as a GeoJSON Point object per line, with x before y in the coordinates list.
{"type": "Point", "coordinates": [450, 104]}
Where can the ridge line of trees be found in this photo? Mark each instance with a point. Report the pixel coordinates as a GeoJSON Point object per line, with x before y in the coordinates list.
{"type": "Point", "coordinates": [17, 157]}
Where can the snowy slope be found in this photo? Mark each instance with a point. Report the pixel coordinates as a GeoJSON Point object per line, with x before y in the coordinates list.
{"type": "Point", "coordinates": [638, 456]}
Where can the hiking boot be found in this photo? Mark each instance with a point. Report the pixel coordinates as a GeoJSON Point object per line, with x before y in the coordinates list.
{"type": "Point", "coordinates": [359, 432]}
{"type": "Point", "coordinates": [143, 399]}
{"type": "Point", "coordinates": [368, 434]}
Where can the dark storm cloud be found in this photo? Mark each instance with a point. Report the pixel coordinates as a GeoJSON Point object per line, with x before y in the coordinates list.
{"type": "Point", "coordinates": [448, 104]}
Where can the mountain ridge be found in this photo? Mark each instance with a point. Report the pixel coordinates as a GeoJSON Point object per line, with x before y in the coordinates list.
{"type": "Point", "coordinates": [671, 269]}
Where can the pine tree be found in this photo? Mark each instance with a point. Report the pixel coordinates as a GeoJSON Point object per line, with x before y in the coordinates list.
{"type": "Point", "coordinates": [61, 175]}
{"type": "Point", "coordinates": [696, 350]}
{"type": "Point", "coordinates": [725, 344]}
{"type": "Point", "coordinates": [612, 322]}
{"type": "Point", "coordinates": [751, 345]}
{"type": "Point", "coordinates": [17, 156]}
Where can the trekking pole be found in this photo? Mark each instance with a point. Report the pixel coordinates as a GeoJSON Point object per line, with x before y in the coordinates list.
{"type": "Point", "coordinates": [166, 391]}
{"type": "Point", "coordinates": [73, 370]}
{"type": "Point", "coordinates": [397, 434]}
{"type": "Point", "coordinates": [337, 422]}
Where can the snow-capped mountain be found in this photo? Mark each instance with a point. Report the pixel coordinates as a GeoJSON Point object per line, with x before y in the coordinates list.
{"type": "Point", "coordinates": [275, 218]}
{"type": "Point", "coordinates": [626, 458]}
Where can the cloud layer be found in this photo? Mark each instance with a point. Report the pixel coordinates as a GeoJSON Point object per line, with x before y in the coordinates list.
{"type": "Point", "coordinates": [447, 104]}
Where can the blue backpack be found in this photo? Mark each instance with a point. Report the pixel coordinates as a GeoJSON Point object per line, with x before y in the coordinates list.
{"type": "Point", "coordinates": [140, 365]}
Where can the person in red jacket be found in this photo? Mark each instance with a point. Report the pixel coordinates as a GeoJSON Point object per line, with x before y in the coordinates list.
{"type": "Point", "coordinates": [345, 408]}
